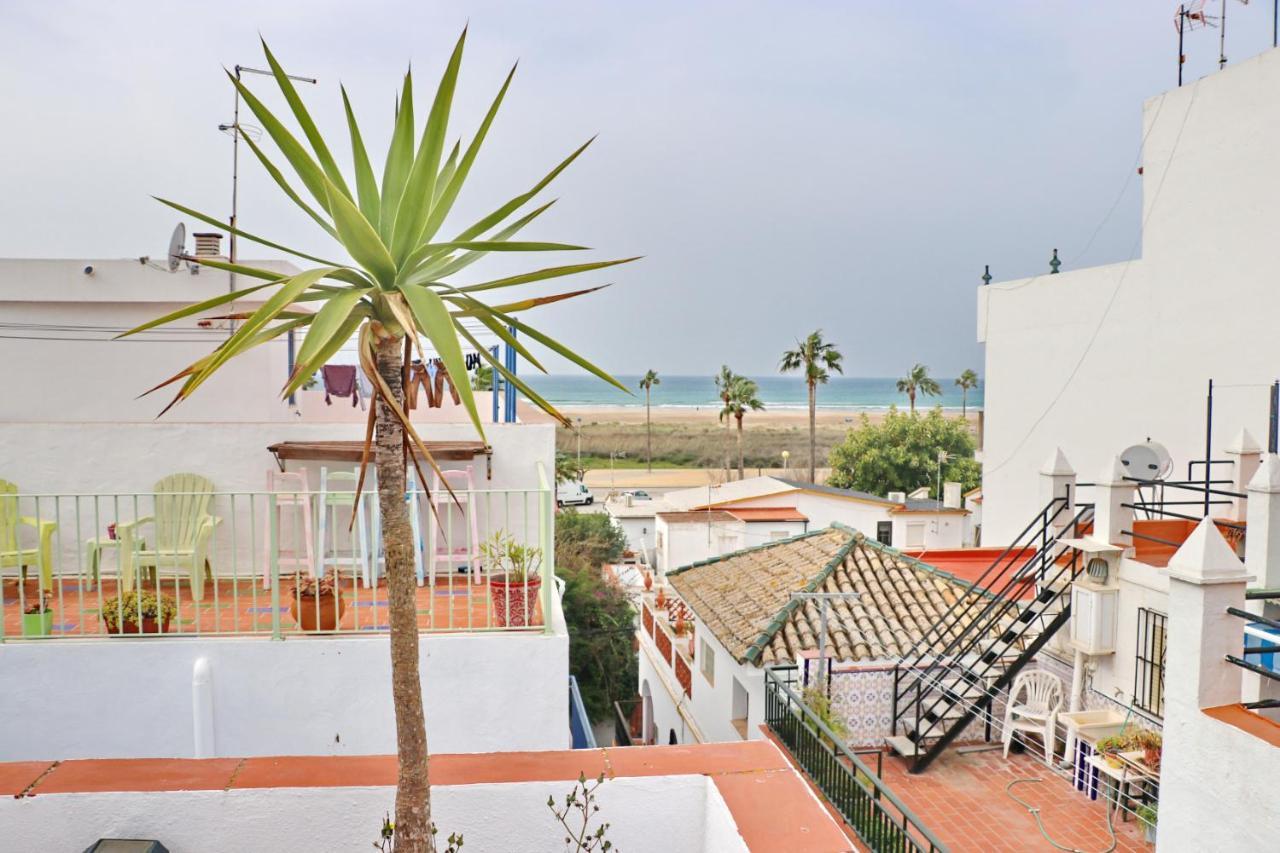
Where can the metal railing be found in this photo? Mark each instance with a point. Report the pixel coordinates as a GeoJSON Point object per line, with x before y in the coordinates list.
{"type": "Point", "coordinates": [624, 716]}
{"type": "Point", "coordinates": [579, 723]}
{"type": "Point", "coordinates": [1262, 651]}
{"type": "Point", "coordinates": [881, 820]}
{"type": "Point", "coordinates": [237, 563]}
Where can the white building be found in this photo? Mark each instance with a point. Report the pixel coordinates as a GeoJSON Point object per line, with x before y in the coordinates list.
{"type": "Point", "coordinates": [234, 674]}
{"type": "Point", "coordinates": [1094, 360]}
{"type": "Point", "coordinates": [762, 509]}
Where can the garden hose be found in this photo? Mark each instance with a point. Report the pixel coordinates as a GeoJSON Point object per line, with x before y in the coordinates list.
{"type": "Point", "coordinates": [1035, 812]}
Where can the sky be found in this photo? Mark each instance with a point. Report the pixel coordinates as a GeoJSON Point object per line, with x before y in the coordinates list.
{"type": "Point", "coordinates": [782, 167]}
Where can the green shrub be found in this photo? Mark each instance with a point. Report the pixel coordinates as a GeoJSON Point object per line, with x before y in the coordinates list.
{"type": "Point", "coordinates": [161, 609]}
{"type": "Point", "coordinates": [605, 540]}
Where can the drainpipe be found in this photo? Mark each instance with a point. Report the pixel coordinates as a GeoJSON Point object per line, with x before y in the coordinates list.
{"type": "Point", "coordinates": [202, 709]}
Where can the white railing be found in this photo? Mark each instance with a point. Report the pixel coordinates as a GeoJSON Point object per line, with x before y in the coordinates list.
{"type": "Point", "coordinates": [237, 563]}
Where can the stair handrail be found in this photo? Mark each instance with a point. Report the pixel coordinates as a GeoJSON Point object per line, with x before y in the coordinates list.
{"type": "Point", "coordinates": [979, 625]}
{"type": "Point", "coordinates": [1038, 523]}
{"type": "Point", "coordinates": [981, 668]}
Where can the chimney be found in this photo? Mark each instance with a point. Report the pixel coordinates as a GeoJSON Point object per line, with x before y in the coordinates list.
{"type": "Point", "coordinates": [951, 495]}
{"type": "Point", "coordinates": [898, 497]}
{"type": "Point", "coordinates": [208, 244]}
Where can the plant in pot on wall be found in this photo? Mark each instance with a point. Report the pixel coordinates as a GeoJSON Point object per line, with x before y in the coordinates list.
{"type": "Point", "coordinates": [122, 613]}
{"type": "Point", "coordinates": [316, 603]}
{"type": "Point", "coordinates": [1110, 748]}
{"type": "Point", "coordinates": [37, 616]}
{"type": "Point", "coordinates": [1151, 744]}
{"type": "Point", "coordinates": [513, 579]}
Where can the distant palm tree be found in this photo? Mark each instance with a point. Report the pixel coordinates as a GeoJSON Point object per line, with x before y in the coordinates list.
{"type": "Point", "coordinates": [650, 379]}
{"type": "Point", "coordinates": [816, 358]}
{"type": "Point", "coordinates": [918, 381]}
{"type": "Point", "coordinates": [724, 384]}
{"type": "Point", "coordinates": [742, 397]}
{"type": "Point", "coordinates": [967, 381]}
{"type": "Point", "coordinates": [483, 379]}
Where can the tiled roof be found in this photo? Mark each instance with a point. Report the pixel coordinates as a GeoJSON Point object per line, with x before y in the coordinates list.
{"type": "Point", "coordinates": [744, 598]}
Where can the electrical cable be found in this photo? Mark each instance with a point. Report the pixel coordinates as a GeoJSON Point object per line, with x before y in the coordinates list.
{"type": "Point", "coordinates": [1195, 89]}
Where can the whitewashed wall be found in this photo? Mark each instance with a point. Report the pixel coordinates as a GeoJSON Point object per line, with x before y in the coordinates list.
{"type": "Point", "coordinates": [1189, 310]}
{"type": "Point", "coordinates": [121, 698]}
{"type": "Point", "coordinates": [712, 704]}
{"type": "Point", "coordinates": [692, 816]}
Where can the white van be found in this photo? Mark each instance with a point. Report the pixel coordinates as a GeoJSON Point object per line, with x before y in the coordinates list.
{"type": "Point", "coordinates": [573, 494]}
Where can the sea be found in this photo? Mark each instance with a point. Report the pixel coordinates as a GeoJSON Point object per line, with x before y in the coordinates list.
{"type": "Point", "coordinates": [776, 392]}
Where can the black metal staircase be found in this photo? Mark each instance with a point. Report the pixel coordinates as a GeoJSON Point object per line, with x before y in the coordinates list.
{"type": "Point", "coordinates": [953, 674]}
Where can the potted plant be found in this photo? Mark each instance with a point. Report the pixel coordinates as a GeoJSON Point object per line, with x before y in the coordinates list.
{"type": "Point", "coordinates": [121, 613]}
{"type": "Point", "coordinates": [316, 603]}
{"type": "Point", "coordinates": [1148, 814]}
{"type": "Point", "coordinates": [1151, 745]}
{"type": "Point", "coordinates": [513, 579]}
{"type": "Point", "coordinates": [1110, 748]}
{"type": "Point", "coordinates": [37, 616]}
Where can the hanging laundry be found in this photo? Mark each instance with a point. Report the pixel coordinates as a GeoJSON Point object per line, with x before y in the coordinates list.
{"type": "Point", "coordinates": [419, 375]}
{"type": "Point", "coordinates": [340, 381]}
{"type": "Point", "coordinates": [442, 376]}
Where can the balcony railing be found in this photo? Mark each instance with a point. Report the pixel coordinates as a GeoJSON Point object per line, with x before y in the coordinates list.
{"type": "Point", "coordinates": [628, 723]}
{"type": "Point", "coordinates": [868, 806]}
{"type": "Point", "coordinates": [233, 563]}
{"type": "Point", "coordinates": [671, 648]}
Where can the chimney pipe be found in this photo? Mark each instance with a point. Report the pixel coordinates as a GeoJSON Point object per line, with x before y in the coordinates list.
{"type": "Point", "coordinates": [208, 244]}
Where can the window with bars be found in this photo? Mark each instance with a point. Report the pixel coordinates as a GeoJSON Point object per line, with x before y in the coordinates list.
{"type": "Point", "coordinates": [1148, 673]}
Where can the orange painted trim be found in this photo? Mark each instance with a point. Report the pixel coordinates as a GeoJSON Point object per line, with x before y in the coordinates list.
{"type": "Point", "coordinates": [1246, 721]}
{"type": "Point", "coordinates": [772, 805]}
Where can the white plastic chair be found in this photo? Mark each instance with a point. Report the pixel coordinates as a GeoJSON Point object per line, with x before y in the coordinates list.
{"type": "Point", "coordinates": [292, 492]}
{"type": "Point", "coordinates": [1037, 713]}
{"type": "Point", "coordinates": [330, 500]}
{"type": "Point", "coordinates": [445, 547]}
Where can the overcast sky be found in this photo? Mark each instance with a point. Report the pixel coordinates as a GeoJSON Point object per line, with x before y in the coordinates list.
{"type": "Point", "coordinates": [781, 166]}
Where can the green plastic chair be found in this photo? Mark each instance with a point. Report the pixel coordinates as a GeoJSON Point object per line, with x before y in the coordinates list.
{"type": "Point", "coordinates": [11, 551]}
{"type": "Point", "coordinates": [182, 533]}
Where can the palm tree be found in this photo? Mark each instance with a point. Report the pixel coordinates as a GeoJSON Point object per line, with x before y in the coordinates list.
{"type": "Point", "coordinates": [742, 397]}
{"type": "Point", "coordinates": [724, 382]}
{"type": "Point", "coordinates": [650, 379]}
{"type": "Point", "coordinates": [483, 380]}
{"type": "Point", "coordinates": [396, 288]}
{"type": "Point", "coordinates": [918, 381]}
{"type": "Point", "coordinates": [967, 381]}
{"type": "Point", "coordinates": [816, 358]}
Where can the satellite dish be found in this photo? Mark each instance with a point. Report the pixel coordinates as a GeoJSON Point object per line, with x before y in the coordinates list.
{"type": "Point", "coordinates": [177, 247]}
{"type": "Point", "coordinates": [1147, 461]}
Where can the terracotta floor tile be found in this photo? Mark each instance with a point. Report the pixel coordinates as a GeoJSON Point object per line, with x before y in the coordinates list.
{"type": "Point", "coordinates": [138, 774]}
{"type": "Point", "coordinates": [316, 771]}
{"type": "Point", "coordinates": [516, 767]}
{"type": "Point", "coordinates": [713, 758]}
{"type": "Point", "coordinates": [17, 776]}
{"type": "Point", "coordinates": [775, 810]}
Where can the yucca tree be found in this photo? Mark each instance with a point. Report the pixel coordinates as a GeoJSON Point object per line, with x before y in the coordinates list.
{"type": "Point", "coordinates": [650, 379]}
{"type": "Point", "coordinates": [918, 381]}
{"type": "Point", "coordinates": [724, 382]}
{"type": "Point", "coordinates": [966, 382]}
{"type": "Point", "coordinates": [397, 285]}
{"type": "Point", "coordinates": [816, 359]}
{"type": "Point", "coordinates": [743, 397]}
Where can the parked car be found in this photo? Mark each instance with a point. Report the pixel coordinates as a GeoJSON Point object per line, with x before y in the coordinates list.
{"type": "Point", "coordinates": [637, 495]}
{"type": "Point", "coordinates": [574, 494]}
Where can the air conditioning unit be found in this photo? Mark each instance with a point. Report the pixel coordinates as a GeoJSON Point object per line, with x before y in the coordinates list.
{"type": "Point", "coordinates": [1093, 617]}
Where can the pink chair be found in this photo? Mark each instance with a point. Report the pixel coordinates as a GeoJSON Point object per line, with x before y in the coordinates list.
{"type": "Point", "coordinates": [447, 548]}
{"type": "Point", "coordinates": [293, 493]}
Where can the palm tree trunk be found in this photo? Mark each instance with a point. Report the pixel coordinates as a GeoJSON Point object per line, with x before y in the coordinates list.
{"type": "Point", "coordinates": [813, 432]}
{"type": "Point", "coordinates": [728, 465]}
{"type": "Point", "coordinates": [911, 395]}
{"type": "Point", "coordinates": [648, 433]}
{"type": "Point", "coordinates": [413, 790]}
{"type": "Point", "coordinates": [742, 471]}
{"type": "Point", "coordinates": [964, 404]}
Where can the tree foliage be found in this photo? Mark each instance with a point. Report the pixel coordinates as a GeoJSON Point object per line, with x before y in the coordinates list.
{"type": "Point", "coordinates": [901, 454]}
{"type": "Point", "coordinates": [597, 611]}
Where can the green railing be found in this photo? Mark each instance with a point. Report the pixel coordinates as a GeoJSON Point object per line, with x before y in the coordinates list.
{"type": "Point", "coordinates": [868, 806]}
{"type": "Point", "coordinates": [235, 563]}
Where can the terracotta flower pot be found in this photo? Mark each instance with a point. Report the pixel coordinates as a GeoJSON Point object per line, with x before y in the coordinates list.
{"type": "Point", "coordinates": [149, 626]}
{"type": "Point", "coordinates": [514, 601]}
{"type": "Point", "coordinates": [648, 581]}
{"type": "Point", "coordinates": [330, 608]}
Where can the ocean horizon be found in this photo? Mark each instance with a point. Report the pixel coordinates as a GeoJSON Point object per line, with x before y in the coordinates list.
{"type": "Point", "coordinates": [776, 392]}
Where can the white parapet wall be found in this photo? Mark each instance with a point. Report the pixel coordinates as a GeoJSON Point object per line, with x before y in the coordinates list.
{"type": "Point", "coordinates": [137, 698]}
{"type": "Point", "coordinates": [677, 814]}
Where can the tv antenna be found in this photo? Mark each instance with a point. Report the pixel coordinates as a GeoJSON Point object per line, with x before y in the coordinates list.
{"type": "Point", "coordinates": [1190, 16]}
{"type": "Point", "coordinates": [236, 129]}
{"type": "Point", "coordinates": [178, 249]}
